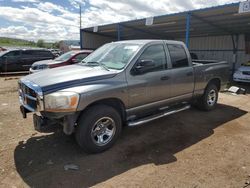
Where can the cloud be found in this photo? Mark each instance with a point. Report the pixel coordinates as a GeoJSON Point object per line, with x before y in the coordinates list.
{"type": "Point", "coordinates": [77, 3]}
{"type": "Point", "coordinates": [49, 7]}
{"type": "Point", "coordinates": [25, 1]}
{"type": "Point", "coordinates": [50, 21]}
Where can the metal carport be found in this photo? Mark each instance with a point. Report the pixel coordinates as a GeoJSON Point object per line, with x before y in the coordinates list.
{"type": "Point", "coordinates": [216, 30]}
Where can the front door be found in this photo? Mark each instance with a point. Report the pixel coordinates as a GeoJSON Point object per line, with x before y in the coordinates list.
{"type": "Point", "coordinates": [151, 84]}
{"type": "Point", "coordinates": [11, 61]}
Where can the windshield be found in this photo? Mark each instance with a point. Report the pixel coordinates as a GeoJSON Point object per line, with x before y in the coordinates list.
{"type": "Point", "coordinates": [65, 56]}
{"type": "Point", "coordinates": [3, 52]}
{"type": "Point", "coordinates": [113, 55]}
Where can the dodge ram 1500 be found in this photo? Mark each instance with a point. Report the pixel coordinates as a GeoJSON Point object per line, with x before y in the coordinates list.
{"type": "Point", "coordinates": [121, 83]}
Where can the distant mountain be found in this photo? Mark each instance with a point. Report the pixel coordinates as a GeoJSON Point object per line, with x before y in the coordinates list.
{"type": "Point", "coordinates": [5, 41]}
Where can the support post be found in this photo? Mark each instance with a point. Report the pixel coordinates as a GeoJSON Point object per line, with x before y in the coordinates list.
{"type": "Point", "coordinates": [80, 12]}
{"type": "Point", "coordinates": [187, 28]}
{"type": "Point", "coordinates": [81, 39]}
{"type": "Point", "coordinates": [118, 26]}
{"type": "Point", "coordinates": [235, 40]}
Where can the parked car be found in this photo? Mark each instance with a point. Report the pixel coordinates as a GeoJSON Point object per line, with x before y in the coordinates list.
{"type": "Point", "coordinates": [121, 83]}
{"type": "Point", "coordinates": [22, 59]}
{"type": "Point", "coordinates": [243, 73]}
{"type": "Point", "coordinates": [56, 52]}
{"type": "Point", "coordinates": [68, 58]}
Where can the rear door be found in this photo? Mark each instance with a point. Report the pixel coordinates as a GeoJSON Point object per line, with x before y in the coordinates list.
{"type": "Point", "coordinates": [182, 72]}
{"type": "Point", "coordinates": [27, 59]}
{"type": "Point", "coordinates": [147, 90]}
{"type": "Point", "coordinates": [39, 55]}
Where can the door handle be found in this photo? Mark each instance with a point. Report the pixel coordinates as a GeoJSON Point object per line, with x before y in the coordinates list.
{"type": "Point", "coordinates": [165, 78]}
{"type": "Point", "coordinates": [189, 74]}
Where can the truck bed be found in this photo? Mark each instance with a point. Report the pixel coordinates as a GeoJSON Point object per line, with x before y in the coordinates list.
{"type": "Point", "coordinates": [203, 62]}
{"type": "Point", "coordinates": [205, 70]}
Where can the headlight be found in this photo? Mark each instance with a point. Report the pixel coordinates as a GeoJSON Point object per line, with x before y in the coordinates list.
{"type": "Point", "coordinates": [61, 101]}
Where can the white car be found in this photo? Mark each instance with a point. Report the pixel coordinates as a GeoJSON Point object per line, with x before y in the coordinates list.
{"type": "Point", "coordinates": [243, 73]}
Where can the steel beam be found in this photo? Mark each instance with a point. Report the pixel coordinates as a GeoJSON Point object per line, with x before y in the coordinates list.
{"type": "Point", "coordinates": [188, 17]}
{"type": "Point", "coordinates": [143, 31]}
{"type": "Point", "coordinates": [212, 24]}
{"type": "Point", "coordinates": [81, 39]}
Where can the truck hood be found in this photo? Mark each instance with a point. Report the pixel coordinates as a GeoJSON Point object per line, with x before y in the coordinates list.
{"type": "Point", "coordinates": [69, 76]}
{"type": "Point", "coordinates": [47, 62]}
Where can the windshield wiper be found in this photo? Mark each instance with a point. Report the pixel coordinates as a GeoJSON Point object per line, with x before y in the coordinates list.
{"type": "Point", "coordinates": [96, 63]}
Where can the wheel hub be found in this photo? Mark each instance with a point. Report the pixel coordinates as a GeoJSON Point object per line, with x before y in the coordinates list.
{"type": "Point", "coordinates": [211, 98]}
{"type": "Point", "coordinates": [103, 131]}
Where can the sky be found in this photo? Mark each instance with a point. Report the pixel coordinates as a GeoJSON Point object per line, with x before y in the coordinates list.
{"type": "Point", "coordinates": [54, 20]}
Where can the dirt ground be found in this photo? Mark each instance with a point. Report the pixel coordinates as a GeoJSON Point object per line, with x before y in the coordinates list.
{"type": "Point", "coordinates": [188, 149]}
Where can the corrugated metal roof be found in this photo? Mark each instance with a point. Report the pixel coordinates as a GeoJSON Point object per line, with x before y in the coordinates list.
{"type": "Point", "coordinates": [219, 20]}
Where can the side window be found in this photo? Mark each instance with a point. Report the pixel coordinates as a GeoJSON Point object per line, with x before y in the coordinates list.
{"type": "Point", "coordinates": [12, 54]}
{"type": "Point", "coordinates": [178, 55]}
{"type": "Point", "coordinates": [80, 57]}
{"type": "Point", "coordinates": [42, 53]}
{"type": "Point", "coordinates": [155, 58]}
{"type": "Point", "coordinates": [27, 52]}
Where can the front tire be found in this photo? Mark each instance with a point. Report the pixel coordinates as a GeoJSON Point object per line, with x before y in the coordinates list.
{"type": "Point", "coordinates": [209, 99]}
{"type": "Point", "coordinates": [98, 128]}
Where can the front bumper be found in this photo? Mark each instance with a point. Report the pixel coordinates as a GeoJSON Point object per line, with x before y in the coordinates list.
{"type": "Point", "coordinates": [31, 100]}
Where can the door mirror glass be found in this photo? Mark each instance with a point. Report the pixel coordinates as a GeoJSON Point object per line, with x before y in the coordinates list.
{"type": "Point", "coordinates": [144, 65]}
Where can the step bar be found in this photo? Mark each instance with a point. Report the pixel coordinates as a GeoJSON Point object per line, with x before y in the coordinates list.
{"type": "Point", "coordinates": [156, 116]}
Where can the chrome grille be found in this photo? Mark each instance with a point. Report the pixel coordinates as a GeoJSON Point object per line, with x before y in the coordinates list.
{"type": "Point", "coordinates": [30, 96]}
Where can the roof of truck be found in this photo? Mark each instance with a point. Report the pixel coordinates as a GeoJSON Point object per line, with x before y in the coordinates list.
{"type": "Point", "coordinates": [145, 41]}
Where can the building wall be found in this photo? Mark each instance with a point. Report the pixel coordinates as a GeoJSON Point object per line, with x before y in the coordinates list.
{"type": "Point", "coordinates": [93, 41]}
{"type": "Point", "coordinates": [219, 48]}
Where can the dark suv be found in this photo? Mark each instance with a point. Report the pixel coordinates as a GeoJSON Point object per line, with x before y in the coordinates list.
{"type": "Point", "coordinates": [22, 59]}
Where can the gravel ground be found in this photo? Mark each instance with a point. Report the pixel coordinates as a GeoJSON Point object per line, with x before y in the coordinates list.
{"type": "Point", "coordinates": [188, 149]}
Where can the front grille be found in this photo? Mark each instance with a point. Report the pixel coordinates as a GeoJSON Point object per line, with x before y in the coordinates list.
{"type": "Point", "coordinates": [246, 72]}
{"type": "Point", "coordinates": [28, 97]}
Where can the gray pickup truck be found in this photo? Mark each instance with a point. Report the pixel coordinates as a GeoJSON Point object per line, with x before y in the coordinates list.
{"type": "Point", "coordinates": [121, 83]}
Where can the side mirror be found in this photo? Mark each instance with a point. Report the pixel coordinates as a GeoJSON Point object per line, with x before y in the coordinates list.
{"type": "Point", "coordinates": [144, 66]}
{"type": "Point", "coordinates": [74, 60]}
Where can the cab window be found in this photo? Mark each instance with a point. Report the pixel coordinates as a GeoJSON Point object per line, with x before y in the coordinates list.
{"type": "Point", "coordinates": [178, 55]}
{"type": "Point", "coordinates": [153, 58]}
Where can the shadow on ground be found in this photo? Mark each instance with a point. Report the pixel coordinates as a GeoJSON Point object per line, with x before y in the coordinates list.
{"type": "Point", "coordinates": [155, 142]}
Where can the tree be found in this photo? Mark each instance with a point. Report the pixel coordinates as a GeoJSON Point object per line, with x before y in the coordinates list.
{"type": "Point", "coordinates": [55, 45]}
{"type": "Point", "coordinates": [40, 43]}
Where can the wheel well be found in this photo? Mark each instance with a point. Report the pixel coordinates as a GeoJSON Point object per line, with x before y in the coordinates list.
{"type": "Point", "coordinates": [216, 82]}
{"type": "Point", "coordinates": [113, 102]}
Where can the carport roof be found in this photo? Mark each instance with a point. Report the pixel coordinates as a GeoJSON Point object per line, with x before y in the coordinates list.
{"type": "Point", "coordinates": [218, 20]}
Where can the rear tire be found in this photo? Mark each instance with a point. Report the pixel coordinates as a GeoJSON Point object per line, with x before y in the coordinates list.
{"type": "Point", "coordinates": [98, 128]}
{"type": "Point", "coordinates": [208, 100]}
